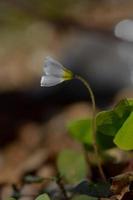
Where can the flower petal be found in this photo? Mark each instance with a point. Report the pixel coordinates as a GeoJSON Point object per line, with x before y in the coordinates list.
{"type": "Point", "coordinates": [53, 67]}
{"type": "Point", "coordinates": [49, 81]}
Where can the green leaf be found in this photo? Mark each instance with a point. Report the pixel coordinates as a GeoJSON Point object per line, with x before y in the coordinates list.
{"type": "Point", "coordinates": [105, 123]}
{"type": "Point", "coordinates": [109, 122]}
{"type": "Point", "coordinates": [81, 130]}
{"type": "Point", "coordinates": [10, 198]}
{"type": "Point", "coordinates": [104, 141]}
{"type": "Point", "coordinates": [108, 125]}
{"type": "Point", "coordinates": [130, 101]}
{"type": "Point", "coordinates": [72, 165]}
{"type": "Point", "coordinates": [43, 197]}
{"type": "Point", "coordinates": [84, 197]}
{"type": "Point", "coordinates": [124, 137]}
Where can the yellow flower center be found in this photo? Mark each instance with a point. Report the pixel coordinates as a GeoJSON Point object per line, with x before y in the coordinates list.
{"type": "Point", "coordinates": [67, 75]}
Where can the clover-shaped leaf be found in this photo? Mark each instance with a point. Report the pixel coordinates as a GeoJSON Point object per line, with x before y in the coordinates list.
{"type": "Point", "coordinates": [109, 122]}
{"type": "Point", "coordinates": [112, 127]}
{"type": "Point", "coordinates": [124, 137]}
{"type": "Point", "coordinates": [118, 124]}
{"type": "Point", "coordinates": [72, 165]}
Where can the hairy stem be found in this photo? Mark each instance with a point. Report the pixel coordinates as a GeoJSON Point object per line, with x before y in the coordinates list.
{"type": "Point", "coordinates": [95, 147]}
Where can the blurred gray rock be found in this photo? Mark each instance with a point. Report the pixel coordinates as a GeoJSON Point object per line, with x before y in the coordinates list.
{"type": "Point", "coordinates": [105, 61]}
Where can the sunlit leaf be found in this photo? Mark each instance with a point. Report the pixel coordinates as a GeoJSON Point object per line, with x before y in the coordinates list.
{"type": "Point", "coordinates": [72, 165]}
{"type": "Point", "coordinates": [124, 137]}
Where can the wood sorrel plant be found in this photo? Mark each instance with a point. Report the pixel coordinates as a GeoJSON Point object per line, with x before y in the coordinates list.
{"type": "Point", "coordinates": [55, 73]}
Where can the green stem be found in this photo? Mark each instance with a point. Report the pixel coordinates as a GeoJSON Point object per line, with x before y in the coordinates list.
{"type": "Point", "coordinates": [95, 147]}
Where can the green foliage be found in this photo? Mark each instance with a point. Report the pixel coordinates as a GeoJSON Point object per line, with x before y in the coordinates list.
{"type": "Point", "coordinates": [72, 166]}
{"type": "Point", "coordinates": [113, 126]}
{"type": "Point", "coordinates": [43, 197]}
{"type": "Point", "coordinates": [84, 197]}
{"type": "Point", "coordinates": [124, 137]}
{"type": "Point", "coordinates": [117, 123]}
{"type": "Point", "coordinates": [109, 122]}
{"type": "Point", "coordinates": [81, 130]}
{"type": "Point", "coordinates": [104, 141]}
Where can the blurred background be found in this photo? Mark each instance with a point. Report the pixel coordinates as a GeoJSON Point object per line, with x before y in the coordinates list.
{"type": "Point", "coordinates": [82, 35]}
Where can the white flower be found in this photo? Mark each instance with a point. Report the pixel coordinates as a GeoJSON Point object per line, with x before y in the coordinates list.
{"type": "Point", "coordinates": [54, 73]}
